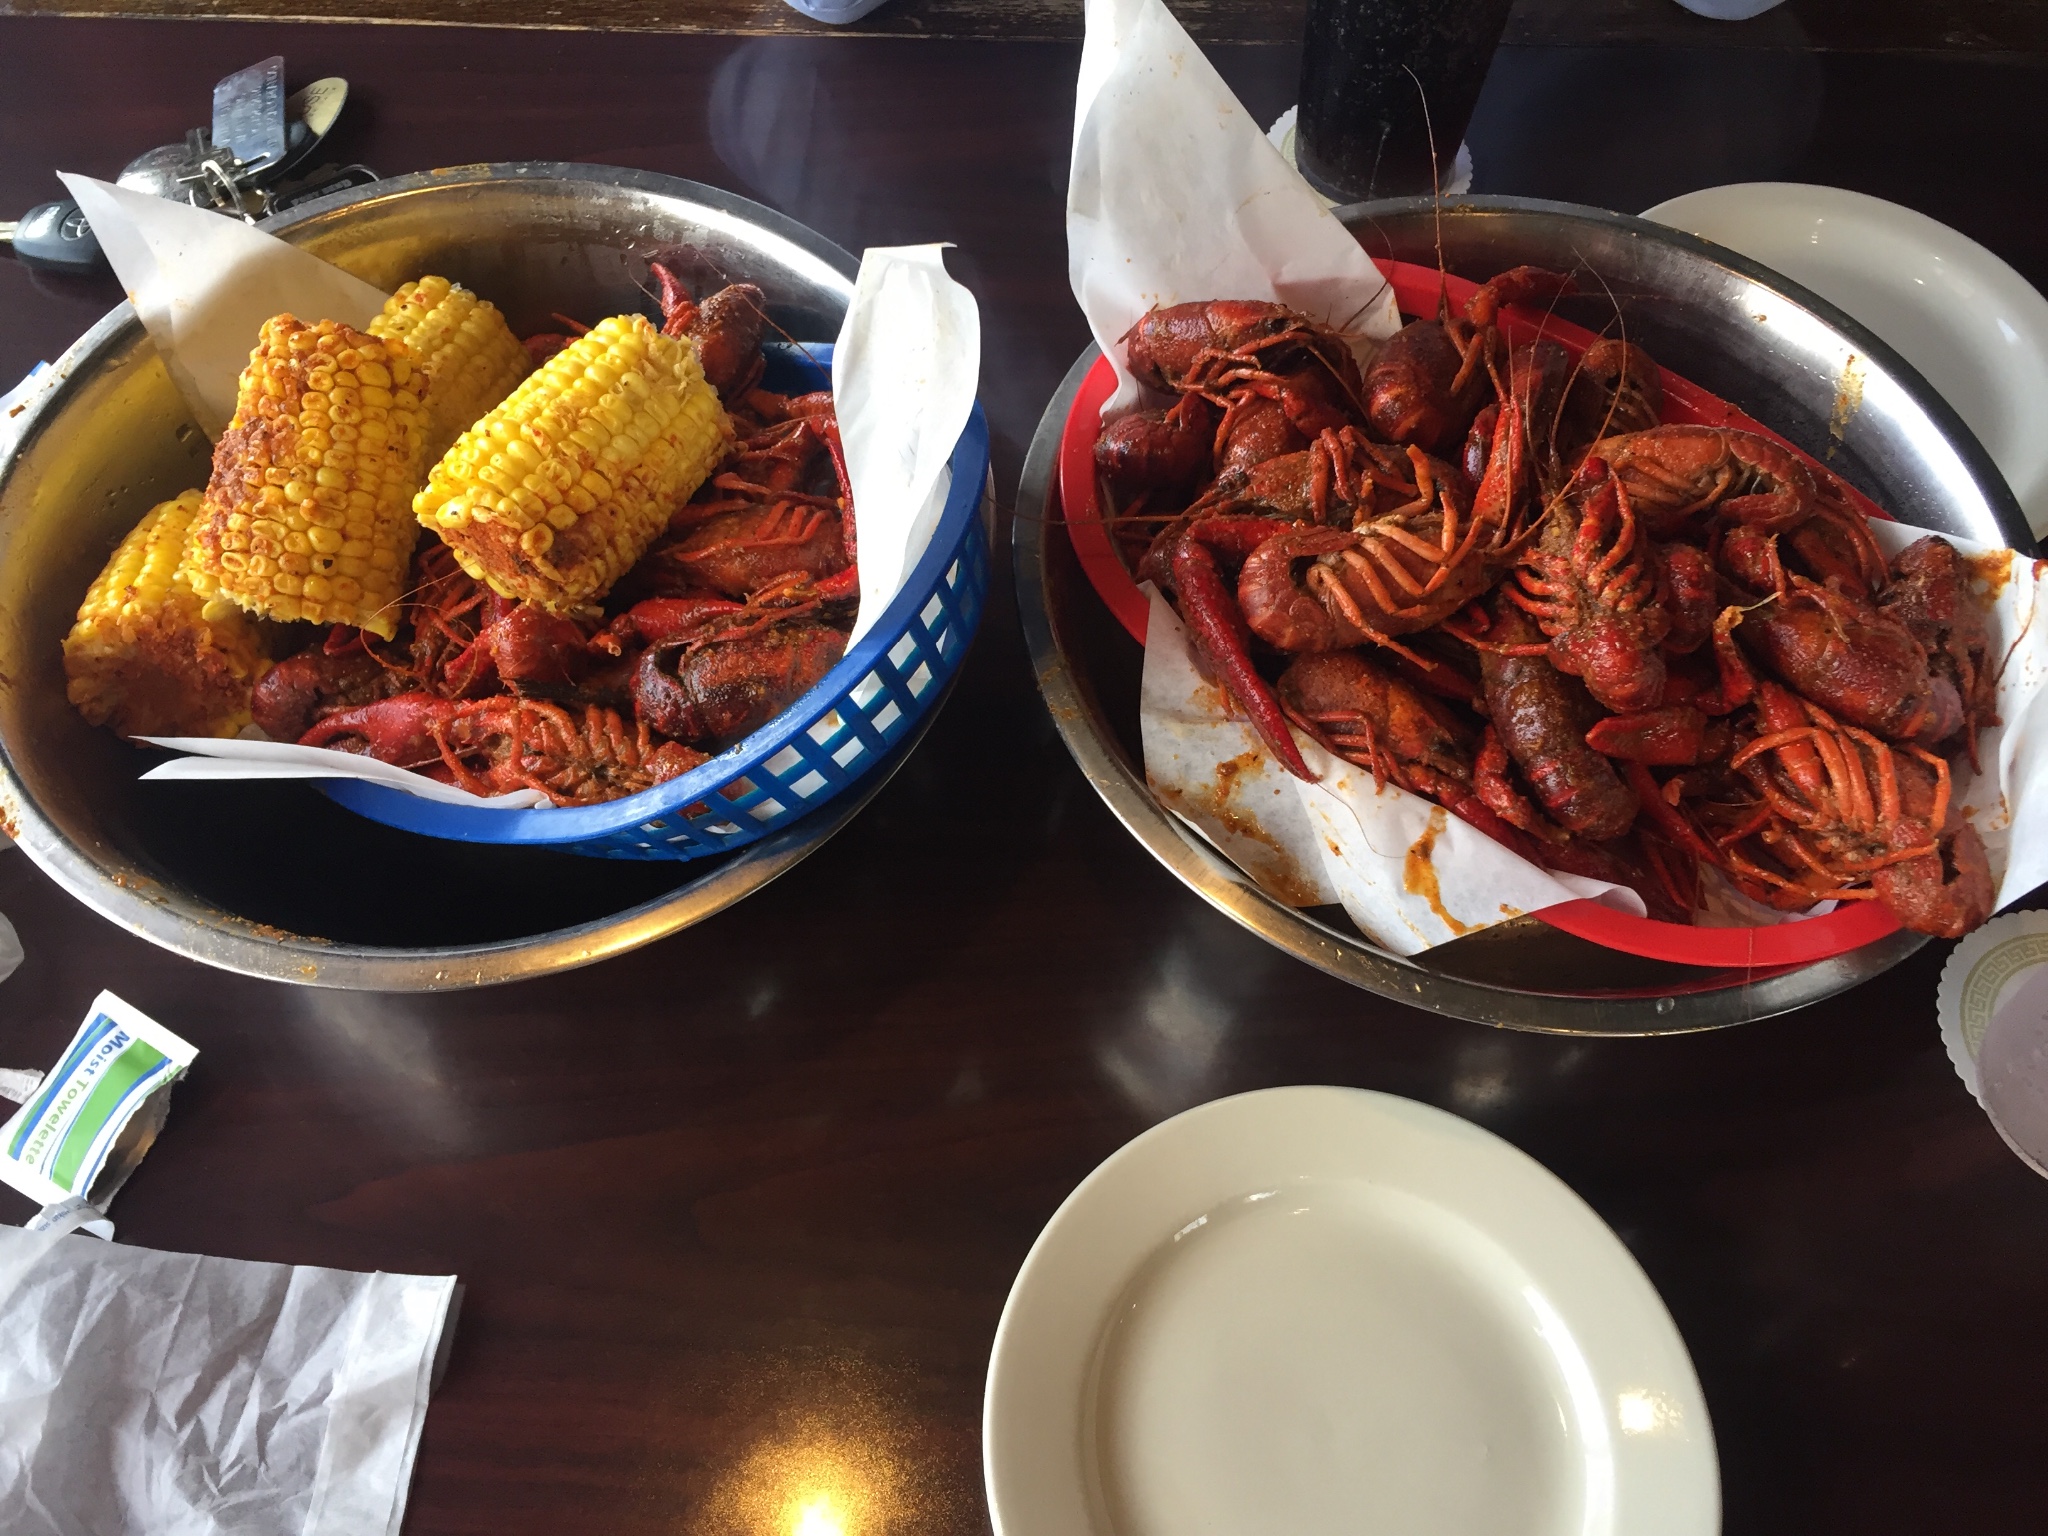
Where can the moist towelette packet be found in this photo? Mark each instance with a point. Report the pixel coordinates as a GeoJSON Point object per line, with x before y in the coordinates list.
{"type": "Point", "coordinates": [181, 1395]}
{"type": "Point", "coordinates": [83, 1129]}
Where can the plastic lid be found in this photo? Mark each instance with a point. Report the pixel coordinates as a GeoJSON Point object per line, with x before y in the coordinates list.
{"type": "Point", "coordinates": [1993, 1006]}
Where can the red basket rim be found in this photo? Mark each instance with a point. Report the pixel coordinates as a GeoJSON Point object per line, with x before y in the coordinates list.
{"type": "Point", "coordinates": [1416, 289]}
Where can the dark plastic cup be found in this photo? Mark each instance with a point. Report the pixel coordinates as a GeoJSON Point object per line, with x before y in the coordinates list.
{"type": "Point", "coordinates": [1383, 82]}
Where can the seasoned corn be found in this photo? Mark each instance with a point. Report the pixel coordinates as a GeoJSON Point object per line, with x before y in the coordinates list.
{"type": "Point", "coordinates": [553, 495]}
{"type": "Point", "coordinates": [306, 513]}
{"type": "Point", "coordinates": [463, 346]}
{"type": "Point", "coordinates": [149, 655]}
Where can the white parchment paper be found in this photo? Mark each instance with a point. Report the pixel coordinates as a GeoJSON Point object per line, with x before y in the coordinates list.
{"type": "Point", "coordinates": [214, 757]}
{"type": "Point", "coordinates": [904, 375]}
{"type": "Point", "coordinates": [204, 283]}
{"type": "Point", "coordinates": [903, 380]}
{"type": "Point", "coordinates": [1177, 195]}
{"type": "Point", "coordinates": [189, 1396]}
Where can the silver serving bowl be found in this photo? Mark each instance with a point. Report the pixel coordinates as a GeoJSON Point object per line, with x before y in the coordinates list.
{"type": "Point", "coordinates": [1758, 340]}
{"type": "Point", "coordinates": [272, 878]}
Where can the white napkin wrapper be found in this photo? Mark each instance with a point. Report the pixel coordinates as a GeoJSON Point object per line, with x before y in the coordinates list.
{"type": "Point", "coordinates": [83, 1128]}
{"type": "Point", "coordinates": [904, 376]}
{"type": "Point", "coordinates": [189, 1396]}
{"type": "Point", "coordinates": [903, 380]}
{"type": "Point", "coordinates": [1993, 1008]}
{"type": "Point", "coordinates": [1176, 196]}
{"type": "Point", "coordinates": [204, 284]}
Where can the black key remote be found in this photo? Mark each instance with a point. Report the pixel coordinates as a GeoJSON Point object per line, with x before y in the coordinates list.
{"type": "Point", "coordinates": [54, 237]}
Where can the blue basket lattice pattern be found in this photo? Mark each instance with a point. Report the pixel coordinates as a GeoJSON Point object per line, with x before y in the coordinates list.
{"type": "Point", "coordinates": [818, 747]}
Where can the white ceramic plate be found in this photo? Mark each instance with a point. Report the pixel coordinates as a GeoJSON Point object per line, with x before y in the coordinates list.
{"type": "Point", "coordinates": [1323, 1310]}
{"type": "Point", "coordinates": [1974, 328]}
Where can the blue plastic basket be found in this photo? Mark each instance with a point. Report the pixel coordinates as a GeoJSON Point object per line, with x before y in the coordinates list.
{"type": "Point", "coordinates": [817, 748]}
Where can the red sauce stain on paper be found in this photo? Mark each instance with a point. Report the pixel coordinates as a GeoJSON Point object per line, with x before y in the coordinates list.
{"type": "Point", "coordinates": [1418, 874]}
{"type": "Point", "coordinates": [1257, 853]}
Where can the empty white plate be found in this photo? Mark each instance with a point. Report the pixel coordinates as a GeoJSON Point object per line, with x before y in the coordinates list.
{"type": "Point", "coordinates": [1323, 1310]}
{"type": "Point", "coordinates": [1976, 329]}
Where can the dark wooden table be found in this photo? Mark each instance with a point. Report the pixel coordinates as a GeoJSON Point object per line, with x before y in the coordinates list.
{"type": "Point", "coordinates": [737, 1213]}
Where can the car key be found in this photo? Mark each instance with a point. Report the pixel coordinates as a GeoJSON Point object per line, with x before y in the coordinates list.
{"type": "Point", "coordinates": [55, 237]}
{"type": "Point", "coordinates": [258, 135]}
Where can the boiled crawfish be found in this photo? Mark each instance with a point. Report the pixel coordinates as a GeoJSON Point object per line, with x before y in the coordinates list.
{"type": "Point", "coordinates": [1538, 717]}
{"type": "Point", "coordinates": [1844, 814]}
{"type": "Point", "coordinates": [1278, 378]}
{"type": "Point", "coordinates": [1432, 376]}
{"type": "Point", "coordinates": [726, 326]}
{"type": "Point", "coordinates": [1854, 660]}
{"type": "Point", "coordinates": [491, 746]}
{"type": "Point", "coordinates": [1592, 584]}
{"type": "Point", "coordinates": [733, 675]}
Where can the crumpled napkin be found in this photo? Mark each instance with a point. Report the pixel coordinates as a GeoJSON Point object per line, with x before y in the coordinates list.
{"type": "Point", "coordinates": [1177, 195]}
{"type": "Point", "coordinates": [189, 1396]}
{"type": "Point", "coordinates": [904, 372]}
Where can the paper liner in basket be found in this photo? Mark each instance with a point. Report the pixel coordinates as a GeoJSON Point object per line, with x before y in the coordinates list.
{"type": "Point", "coordinates": [905, 369]}
{"type": "Point", "coordinates": [1176, 195]}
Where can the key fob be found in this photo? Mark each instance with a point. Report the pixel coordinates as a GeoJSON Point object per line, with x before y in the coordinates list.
{"type": "Point", "coordinates": [54, 237]}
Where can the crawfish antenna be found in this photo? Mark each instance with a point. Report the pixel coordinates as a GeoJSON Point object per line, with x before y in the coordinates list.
{"type": "Point", "coordinates": [1436, 186]}
{"type": "Point", "coordinates": [1620, 326]}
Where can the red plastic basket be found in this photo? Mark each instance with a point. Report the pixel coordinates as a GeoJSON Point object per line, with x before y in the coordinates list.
{"type": "Point", "coordinates": [1416, 289]}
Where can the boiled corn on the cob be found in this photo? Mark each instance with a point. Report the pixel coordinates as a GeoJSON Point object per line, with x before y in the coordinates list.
{"type": "Point", "coordinates": [463, 346]}
{"type": "Point", "coordinates": [307, 511]}
{"type": "Point", "coordinates": [148, 654]}
{"type": "Point", "coordinates": [553, 495]}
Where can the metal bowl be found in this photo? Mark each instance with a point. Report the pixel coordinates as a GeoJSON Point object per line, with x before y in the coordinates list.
{"type": "Point", "coordinates": [1758, 340]}
{"type": "Point", "coordinates": [273, 879]}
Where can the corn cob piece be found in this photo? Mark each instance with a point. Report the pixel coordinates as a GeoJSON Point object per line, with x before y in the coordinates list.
{"type": "Point", "coordinates": [553, 495]}
{"type": "Point", "coordinates": [306, 513]}
{"type": "Point", "coordinates": [148, 655]}
{"type": "Point", "coordinates": [464, 347]}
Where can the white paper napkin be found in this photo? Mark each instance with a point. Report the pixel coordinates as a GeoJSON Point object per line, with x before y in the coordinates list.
{"type": "Point", "coordinates": [903, 380]}
{"type": "Point", "coordinates": [188, 1396]}
{"type": "Point", "coordinates": [204, 284]}
{"type": "Point", "coordinates": [1176, 195]}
